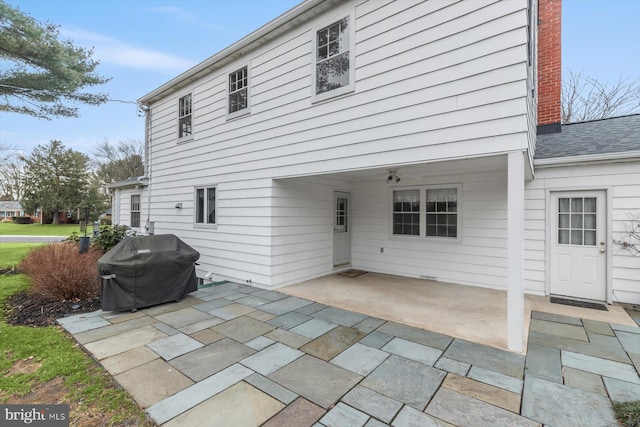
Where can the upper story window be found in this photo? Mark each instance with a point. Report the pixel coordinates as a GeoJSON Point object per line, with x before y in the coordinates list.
{"type": "Point", "coordinates": [238, 101]}
{"type": "Point", "coordinates": [206, 205]}
{"type": "Point", "coordinates": [334, 59]}
{"type": "Point", "coordinates": [184, 116]}
{"type": "Point", "coordinates": [135, 210]}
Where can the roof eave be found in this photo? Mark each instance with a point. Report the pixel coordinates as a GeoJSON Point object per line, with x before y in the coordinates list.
{"type": "Point", "coordinates": [587, 158]}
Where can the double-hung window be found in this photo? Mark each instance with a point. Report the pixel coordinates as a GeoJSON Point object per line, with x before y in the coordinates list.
{"type": "Point", "coordinates": [431, 212]}
{"type": "Point", "coordinates": [135, 210]}
{"type": "Point", "coordinates": [334, 59]}
{"type": "Point", "coordinates": [206, 206]}
{"type": "Point", "coordinates": [238, 98]}
{"type": "Point", "coordinates": [184, 116]}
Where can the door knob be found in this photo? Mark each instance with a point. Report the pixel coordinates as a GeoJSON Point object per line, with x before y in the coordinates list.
{"type": "Point", "coordinates": [602, 249]}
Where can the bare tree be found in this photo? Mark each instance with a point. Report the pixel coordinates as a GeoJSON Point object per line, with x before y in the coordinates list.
{"type": "Point", "coordinates": [12, 181]}
{"type": "Point", "coordinates": [586, 98]}
{"type": "Point", "coordinates": [120, 161]}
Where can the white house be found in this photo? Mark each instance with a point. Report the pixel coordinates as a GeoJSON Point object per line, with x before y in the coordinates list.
{"type": "Point", "coordinates": [388, 136]}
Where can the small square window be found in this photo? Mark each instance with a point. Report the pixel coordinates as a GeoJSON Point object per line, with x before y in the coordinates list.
{"type": "Point", "coordinates": [184, 116]}
{"type": "Point", "coordinates": [205, 205]}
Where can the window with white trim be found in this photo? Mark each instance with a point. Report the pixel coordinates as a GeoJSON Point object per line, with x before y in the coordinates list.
{"type": "Point", "coordinates": [334, 59]}
{"type": "Point", "coordinates": [135, 210]}
{"type": "Point", "coordinates": [205, 206]}
{"type": "Point", "coordinates": [431, 212]}
{"type": "Point", "coordinates": [184, 116]}
{"type": "Point", "coordinates": [238, 98]}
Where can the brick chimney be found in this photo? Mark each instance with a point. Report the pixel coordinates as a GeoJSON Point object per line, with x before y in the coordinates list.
{"type": "Point", "coordinates": [549, 65]}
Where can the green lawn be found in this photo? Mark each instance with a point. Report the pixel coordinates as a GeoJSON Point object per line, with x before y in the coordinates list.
{"type": "Point", "coordinates": [9, 228]}
{"type": "Point", "coordinates": [12, 253]}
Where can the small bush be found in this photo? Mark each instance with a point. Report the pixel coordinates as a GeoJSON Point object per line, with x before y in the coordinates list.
{"type": "Point", "coordinates": [5, 220]}
{"type": "Point", "coordinates": [22, 219]}
{"type": "Point", "coordinates": [628, 413]}
{"type": "Point", "coordinates": [109, 236]}
{"type": "Point", "coordinates": [57, 271]}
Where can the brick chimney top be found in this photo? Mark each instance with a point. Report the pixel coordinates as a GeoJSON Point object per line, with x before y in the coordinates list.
{"type": "Point", "coordinates": [549, 66]}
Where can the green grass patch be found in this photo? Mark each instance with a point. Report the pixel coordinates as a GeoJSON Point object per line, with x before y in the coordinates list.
{"type": "Point", "coordinates": [11, 229]}
{"type": "Point", "coordinates": [12, 253]}
{"type": "Point", "coordinates": [628, 413]}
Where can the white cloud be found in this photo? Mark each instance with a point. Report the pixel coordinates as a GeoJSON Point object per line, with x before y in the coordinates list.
{"type": "Point", "coordinates": [115, 52]}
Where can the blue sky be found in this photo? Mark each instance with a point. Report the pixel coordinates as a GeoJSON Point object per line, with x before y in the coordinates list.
{"type": "Point", "coordinates": [142, 44]}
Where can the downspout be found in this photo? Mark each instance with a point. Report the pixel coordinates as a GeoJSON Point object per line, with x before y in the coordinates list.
{"type": "Point", "coordinates": [147, 164]}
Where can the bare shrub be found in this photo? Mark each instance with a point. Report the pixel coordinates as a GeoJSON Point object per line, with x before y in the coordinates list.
{"type": "Point", "coordinates": [58, 272]}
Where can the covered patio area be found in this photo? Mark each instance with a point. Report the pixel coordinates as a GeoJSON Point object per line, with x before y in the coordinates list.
{"type": "Point", "coordinates": [471, 313]}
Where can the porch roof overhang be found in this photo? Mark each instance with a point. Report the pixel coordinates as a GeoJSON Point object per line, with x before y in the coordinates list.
{"type": "Point", "coordinates": [140, 181]}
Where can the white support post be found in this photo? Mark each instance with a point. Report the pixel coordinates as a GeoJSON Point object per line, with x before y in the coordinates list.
{"type": "Point", "coordinates": [515, 251]}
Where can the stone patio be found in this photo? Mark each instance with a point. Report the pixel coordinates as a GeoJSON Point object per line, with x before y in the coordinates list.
{"type": "Point", "coordinates": [236, 355]}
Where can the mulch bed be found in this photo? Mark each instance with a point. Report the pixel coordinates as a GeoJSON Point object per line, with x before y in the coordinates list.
{"type": "Point", "coordinates": [26, 309]}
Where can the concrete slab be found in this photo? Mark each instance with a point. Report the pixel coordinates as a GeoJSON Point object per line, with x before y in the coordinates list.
{"type": "Point", "coordinates": [175, 345]}
{"type": "Point", "coordinates": [558, 405]}
{"type": "Point", "coordinates": [376, 339]}
{"type": "Point", "coordinates": [300, 413]}
{"type": "Point", "coordinates": [273, 389]}
{"type": "Point", "coordinates": [585, 381]}
{"type": "Point", "coordinates": [239, 405]}
{"type": "Point", "coordinates": [420, 336]}
{"type": "Point", "coordinates": [285, 305]}
{"type": "Point", "coordinates": [372, 403]}
{"type": "Point", "coordinates": [410, 417]}
{"type": "Point", "coordinates": [604, 367]}
{"type": "Point", "coordinates": [543, 362]}
{"type": "Point", "coordinates": [483, 356]}
{"type": "Point", "coordinates": [129, 359]}
{"type": "Point", "coordinates": [229, 312]}
{"type": "Point", "coordinates": [334, 342]}
{"type": "Point", "coordinates": [615, 353]}
{"type": "Point", "coordinates": [360, 359]}
{"type": "Point", "coordinates": [289, 320]}
{"type": "Point", "coordinates": [453, 366]}
{"type": "Point", "coordinates": [287, 337]}
{"type": "Point", "coordinates": [153, 381]}
{"type": "Point", "coordinates": [406, 381]}
{"type": "Point", "coordinates": [339, 316]}
{"type": "Point", "coordinates": [485, 392]}
{"type": "Point", "coordinates": [558, 329]}
{"type": "Point", "coordinates": [316, 380]}
{"type": "Point", "coordinates": [186, 399]}
{"type": "Point", "coordinates": [621, 391]}
{"type": "Point", "coordinates": [496, 379]}
{"type": "Point", "coordinates": [243, 329]}
{"type": "Point", "coordinates": [271, 358]}
{"type": "Point", "coordinates": [459, 409]}
{"type": "Point", "coordinates": [342, 415]}
{"type": "Point", "coordinates": [125, 341]}
{"type": "Point", "coordinates": [313, 328]}
{"type": "Point", "coordinates": [213, 358]}
{"type": "Point", "coordinates": [413, 351]}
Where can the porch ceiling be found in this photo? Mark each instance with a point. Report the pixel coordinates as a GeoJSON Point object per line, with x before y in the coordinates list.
{"type": "Point", "coordinates": [471, 313]}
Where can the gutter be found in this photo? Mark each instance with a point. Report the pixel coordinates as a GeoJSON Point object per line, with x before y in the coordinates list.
{"type": "Point", "coordinates": [587, 158]}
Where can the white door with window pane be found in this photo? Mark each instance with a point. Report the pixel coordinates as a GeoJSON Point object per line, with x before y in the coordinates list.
{"type": "Point", "coordinates": [578, 245]}
{"type": "Point", "coordinates": [341, 229]}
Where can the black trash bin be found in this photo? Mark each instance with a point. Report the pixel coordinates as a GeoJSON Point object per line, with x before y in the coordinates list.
{"type": "Point", "coordinates": [142, 271]}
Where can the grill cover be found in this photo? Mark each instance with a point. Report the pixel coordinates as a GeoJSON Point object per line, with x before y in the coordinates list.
{"type": "Point", "coordinates": [141, 271]}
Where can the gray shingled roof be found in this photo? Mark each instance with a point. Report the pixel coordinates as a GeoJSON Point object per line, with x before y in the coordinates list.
{"type": "Point", "coordinates": [10, 206]}
{"type": "Point", "coordinates": [614, 135]}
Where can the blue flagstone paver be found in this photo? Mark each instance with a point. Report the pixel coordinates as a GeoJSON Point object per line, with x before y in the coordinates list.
{"type": "Point", "coordinates": [616, 353]}
{"type": "Point", "coordinates": [557, 318]}
{"type": "Point", "coordinates": [406, 381]}
{"type": "Point", "coordinates": [624, 328]}
{"type": "Point", "coordinates": [311, 308]}
{"type": "Point", "coordinates": [600, 328]}
{"type": "Point", "coordinates": [183, 317]}
{"type": "Point", "coordinates": [630, 342]}
{"type": "Point", "coordinates": [375, 423]}
{"type": "Point", "coordinates": [360, 359]}
{"type": "Point", "coordinates": [339, 316]}
{"type": "Point", "coordinates": [313, 328]}
{"type": "Point", "coordinates": [376, 339]}
{"type": "Point", "coordinates": [271, 358]}
{"type": "Point", "coordinates": [230, 312]}
{"type": "Point", "coordinates": [175, 345]}
{"type": "Point", "coordinates": [252, 301]}
{"type": "Point", "coordinates": [212, 305]}
{"type": "Point", "coordinates": [606, 341]}
{"type": "Point", "coordinates": [83, 322]}
{"type": "Point", "coordinates": [413, 351]}
{"type": "Point", "coordinates": [259, 343]}
{"type": "Point", "coordinates": [289, 320]}
{"type": "Point", "coordinates": [495, 379]}
{"type": "Point", "coordinates": [558, 405]}
{"type": "Point", "coordinates": [372, 403]}
{"type": "Point", "coordinates": [163, 327]}
{"type": "Point", "coordinates": [369, 324]}
{"type": "Point", "coordinates": [410, 417]}
{"type": "Point", "coordinates": [342, 415]}
{"type": "Point", "coordinates": [621, 391]}
{"type": "Point", "coordinates": [558, 329]}
{"type": "Point", "coordinates": [459, 409]}
{"type": "Point", "coordinates": [203, 324]}
{"type": "Point", "coordinates": [270, 295]}
{"type": "Point", "coordinates": [596, 365]}
{"type": "Point", "coordinates": [483, 356]}
{"type": "Point", "coordinates": [453, 366]}
{"type": "Point", "coordinates": [273, 389]}
{"type": "Point", "coordinates": [173, 406]}
{"type": "Point", "coordinates": [243, 328]}
{"type": "Point", "coordinates": [544, 362]}
{"type": "Point", "coordinates": [220, 295]}
{"type": "Point", "coordinates": [284, 305]}
{"type": "Point", "coordinates": [420, 336]}
{"type": "Point", "coordinates": [584, 381]}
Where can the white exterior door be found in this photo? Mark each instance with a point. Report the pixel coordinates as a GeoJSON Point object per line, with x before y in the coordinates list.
{"type": "Point", "coordinates": [578, 245]}
{"type": "Point", "coordinates": [341, 229]}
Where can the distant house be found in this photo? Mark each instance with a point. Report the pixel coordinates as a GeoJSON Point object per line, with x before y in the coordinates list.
{"type": "Point", "coordinates": [412, 138]}
{"type": "Point", "coordinates": [11, 208]}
